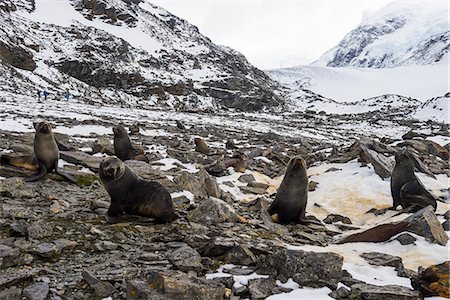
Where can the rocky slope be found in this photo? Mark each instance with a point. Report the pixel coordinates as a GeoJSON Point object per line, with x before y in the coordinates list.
{"type": "Point", "coordinates": [401, 33]}
{"type": "Point", "coordinates": [126, 52]}
{"type": "Point", "coordinates": [55, 243]}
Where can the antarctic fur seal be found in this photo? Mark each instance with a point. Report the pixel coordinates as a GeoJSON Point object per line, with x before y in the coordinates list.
{"type": "Point", "coordinates": [201, 146]}
{"type": "Point", "coordinates": [45, 158]}
{"type": "Point", "coordinates": [123, 147]}
{"type": "Point", "coordinates": [406, 189]}
{"type": "Point", "coordinates": [292, 195]}
{"type": "Point", "coordinates": [133, 195]}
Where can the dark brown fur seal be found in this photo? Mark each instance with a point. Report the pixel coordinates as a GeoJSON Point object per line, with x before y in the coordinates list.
{"type": "Point", "coordinates": [133, 195]}
{"type": "Point", "coordinates": [45, 158]}
{"type": "Point", "coordinates": [123, 147]}
{"type": "Point", "coordinates": [201, 146]}
{"type": "Point", "coordinates": [407, 190]}
{"type": "Point", "coordinates": [292, 195]}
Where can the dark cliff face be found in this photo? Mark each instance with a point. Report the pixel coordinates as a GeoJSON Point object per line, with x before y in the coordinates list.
{"type": "Point", "coordinates": [183, 69]}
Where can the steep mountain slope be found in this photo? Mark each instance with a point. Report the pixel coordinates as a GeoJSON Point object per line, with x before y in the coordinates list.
{"type": "Point", "coordinates": [400, 33]}
{"type": "Point", "coordinates": [129, 52]}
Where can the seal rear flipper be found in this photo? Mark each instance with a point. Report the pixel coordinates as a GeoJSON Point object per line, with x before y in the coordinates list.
{"type": "Point", "coordinates": [304, 220]}
{"type": "Point", "coordinates": [41, 173]}
{"type": "Point", "coordinates": [28, 162]}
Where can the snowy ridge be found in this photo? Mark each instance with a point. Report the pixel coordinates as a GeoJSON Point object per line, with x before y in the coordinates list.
{"type": "Point", "coordinates": [392, 104]}
{"type": "Point", "coordinates": [401, 33]}
{"type": "Point", "coordinates": [436, 109]}
{"type": "Point", "coordinates": [127, 52]}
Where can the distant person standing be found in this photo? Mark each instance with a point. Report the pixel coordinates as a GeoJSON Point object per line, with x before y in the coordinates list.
{"type": "Point", "coordinates": [45, 94]}
{"type": "Point", "coordinates": [67, 95]}
{"type": "Point", "coordinates": [39, 95]}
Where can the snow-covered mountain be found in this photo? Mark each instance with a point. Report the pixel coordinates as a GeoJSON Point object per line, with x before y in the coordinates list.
{"type": "Point", "coordinates": [123, 51]}
{"type": "Point", "coordinates": [401, 33]}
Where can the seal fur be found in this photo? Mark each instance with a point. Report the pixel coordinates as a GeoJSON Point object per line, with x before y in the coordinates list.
{"type": "Point", "coordinates": [133, 195]}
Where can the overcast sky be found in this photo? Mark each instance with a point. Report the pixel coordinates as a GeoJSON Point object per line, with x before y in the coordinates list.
{"type": "Point", "coordinates": [271, 33]}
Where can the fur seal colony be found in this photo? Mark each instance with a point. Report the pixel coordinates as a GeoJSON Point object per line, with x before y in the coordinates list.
{"type": "Point", "coordinates": [133, 195]}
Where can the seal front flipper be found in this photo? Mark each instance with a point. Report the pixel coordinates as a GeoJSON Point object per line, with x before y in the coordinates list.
{"type": "Point", "coordinates": [414, 194]}
{"type": "Point", "coordinates": [41, 173]}
{"type": "Point", "coordinates": [28, 162]}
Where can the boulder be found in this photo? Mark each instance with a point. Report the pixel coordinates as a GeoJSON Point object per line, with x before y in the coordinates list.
{"type": "Point", "coordinates": [17, 56]}
{"type": "Point", "coordinates": [307, 268]}
{"type": "Point", "coordinates": [36, 291]}
{"type": "Point", "coordinates": [433, 281]}
{"type": "Point", "coordinates": [261, 288]}
{"type": "Point", "coordinates": [101, 288]}
{"type": "Point", "coordinates": [213, 211]}
{"type": "Point", "coordinates": [424, 223]}
{"type": "Point", "coordinates": [387, 292]}
{"type": "Point", "coordinates": [186, 259]}
{"type": "Point", "coordinates": [175, 285]}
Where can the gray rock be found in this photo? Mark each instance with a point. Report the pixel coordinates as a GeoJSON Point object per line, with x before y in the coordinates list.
{"type": "Point", "coordinates": [447, 215]}
{"type": "Point", "coordinates": [103, 145]}
{"type": "Point", "coordinates": [382, 259]}
{"type": "Point", "coordinates": [45, 250]}
{"type": "Point", "coordinates": [106, 246]}
{"type": "Point", "coordinates": [425, 223]}
{"type": "Point", "coordinates": [252, 190]}
{"type": "Point", "coordinates": [199, 184]}
{"type": "Point", "coordinates": [212, 188]}
{"type": "Point", "coordinates": [261, 288]}
{"type": "Point", "coordinates": [239, 271]}
{"type": "Point", "coordinates": [240, 255]}
{"type": "Point", "coordinates": [406, 239]}
{"type": "Point", "coordinates": [63, 244]}
{"type": "Point", "coordinates": [9, 257]}
{"type": "Point", "coordinates": [246, 178]}
{"type": "Point", "coordinates": [81, 158]}
{"type": "Point", "coordinates": [36, 291]}
{"type": "Point", "coordinates": [258, 185]}
{"type": "Point", "coordinates": [312, 186]}
{"type": "Point", "coordinates": [141, 290]}
{"type": "Point", "coordinates": [16, 188]}
{"type": "Point", "coordinates": [213, 211]}
{"type": "Point", "coordinates": [101, 288]}
{"type": "Point", "coordinates": [12, 293]}
{"type": "Point", "coordinates": [241, 291]}
{"type": "Point", "coordinates": [307, 268]}
{"type": "Point", "coordinates": [340, 293]}
{"type": "Point", "coordinates": [388, 292]}
{"type": "Point", "coordinates": [446, 225]}
{"type": "Point", "coordinates": [175, 285]}
{"type": "Point", "coordinates": [8, 278]}
{"type": "Point", "coordinates": [333, 218]}
{"type": "Point", "coordinates": [186, 259]}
